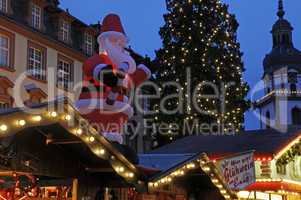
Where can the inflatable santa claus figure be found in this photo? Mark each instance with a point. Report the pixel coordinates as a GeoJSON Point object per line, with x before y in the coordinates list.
{"type": "Point", "coordinates": [108, 79]}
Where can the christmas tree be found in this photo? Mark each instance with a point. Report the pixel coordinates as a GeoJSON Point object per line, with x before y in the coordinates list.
{"type": "Point", "coordinates": [202, 57]}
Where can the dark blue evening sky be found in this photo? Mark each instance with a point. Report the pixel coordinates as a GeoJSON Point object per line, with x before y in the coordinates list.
{"type": "Point", "coordinates": [143, 18]}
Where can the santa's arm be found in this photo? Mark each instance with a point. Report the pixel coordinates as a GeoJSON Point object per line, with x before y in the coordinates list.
{"type": "Point", "coordinates": [141, 74]}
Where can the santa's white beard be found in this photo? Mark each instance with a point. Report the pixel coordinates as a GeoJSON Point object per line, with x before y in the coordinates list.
{"type": "Point", "coordinates": [118, 56]}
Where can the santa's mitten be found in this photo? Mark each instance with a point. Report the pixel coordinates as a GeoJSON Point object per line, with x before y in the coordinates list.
{"type": "Point", "coordinates": [111, 98]}
{"type": "Point", "coordinates": [105, 74]}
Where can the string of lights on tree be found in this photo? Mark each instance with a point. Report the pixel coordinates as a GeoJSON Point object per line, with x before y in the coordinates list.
{"type": "Point", "coordinates": [200, 35]}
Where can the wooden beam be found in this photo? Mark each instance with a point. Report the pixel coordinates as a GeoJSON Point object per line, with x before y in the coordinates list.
{"type": "Point", "coordinates": [74, 189]}
{"type": "Point", "coordinates": [100, 169]}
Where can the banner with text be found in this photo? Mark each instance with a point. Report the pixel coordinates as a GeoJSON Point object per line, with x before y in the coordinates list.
{"type": "Point", "coordinates": [238, 171]}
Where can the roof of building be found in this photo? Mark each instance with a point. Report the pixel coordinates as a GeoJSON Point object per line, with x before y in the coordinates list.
{"type": "Point", "coordinates": [163, 162]}
{"type": "Point", "coordinates": [264, 142]}
{"type": "Point", "coordinates": [282, 55]}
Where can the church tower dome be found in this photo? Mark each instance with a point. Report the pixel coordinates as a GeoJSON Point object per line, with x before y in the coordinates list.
{"type": "Point", "coordinates": [283, 52]}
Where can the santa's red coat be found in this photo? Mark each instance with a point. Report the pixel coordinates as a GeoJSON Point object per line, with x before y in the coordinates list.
{"type": "Point", "coordinates": [91, 102]}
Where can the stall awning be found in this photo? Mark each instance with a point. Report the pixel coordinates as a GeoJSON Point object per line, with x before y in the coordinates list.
{"type": "Point", "coordinates": [278, 186]}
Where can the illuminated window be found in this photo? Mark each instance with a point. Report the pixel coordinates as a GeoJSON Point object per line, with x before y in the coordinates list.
{"type": "Point", "coordinates": [4, 50]}
{"type": "Point", "coordinates": [36, 16]}
{"type": "Point", "coordinates": [64, 73]}
{"type": "Point", "coordinates": [65, 31]}
{"type": "Point", "coordinates": [88, 44]}
{"type": "Point", "coordinates": [3, 5]}
{"type": "Point", "coordinates": [36, 62]}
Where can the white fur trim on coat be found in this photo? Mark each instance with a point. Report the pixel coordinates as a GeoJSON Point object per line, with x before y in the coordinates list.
{"type": "Point", "coordinates": [97, 71]}
{"type": "Point", "coordinates": [113, 33]}
{"type": "Point", "coordinates": [145, 69]}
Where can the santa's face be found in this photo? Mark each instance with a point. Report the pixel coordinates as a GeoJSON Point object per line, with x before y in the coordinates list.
{"type": "Point", "coordinates": [114, 47]}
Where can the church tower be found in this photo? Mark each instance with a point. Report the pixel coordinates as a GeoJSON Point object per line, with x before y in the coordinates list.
{"type": "Point", "coordinates": [281, 104]}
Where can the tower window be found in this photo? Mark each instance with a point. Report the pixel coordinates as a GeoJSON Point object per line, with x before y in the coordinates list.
{"type": "Point", "coordinates": [268, 119]}
{"type": "Point", "coordinates": [296, 116]}
{"type": "Point", "coordinates": [282, 85]}
{"type": "Point", "coordinates": [293, 88]}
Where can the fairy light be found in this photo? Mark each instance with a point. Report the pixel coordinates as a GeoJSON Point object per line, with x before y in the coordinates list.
{"type": "Point", "coordinates": [91, 139]}
{"type": "Point", "coordinates": [53, 114]}
{"type": "Point", "coordinates": [79, 131]}
{"type": "Point", "coordinates": [68, 117]}
{"type": "Point", "coordinates": [120, 169]}
{"type": "Point", "coordinates": [3, 127]}
{"type": "Point", "coordinates": [21, 122]}
{"type": "Point", "coordinates": [37, 118]}
{"type": "Point", "coordinates": [100, 152]}
{"type": "Point", "coordinates": [130, 175]}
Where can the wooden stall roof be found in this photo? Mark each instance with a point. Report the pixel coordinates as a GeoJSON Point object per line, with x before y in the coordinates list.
{"type": "Point", "coordinates": [60, 124]}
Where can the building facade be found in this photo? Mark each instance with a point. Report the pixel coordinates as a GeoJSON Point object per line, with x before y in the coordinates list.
{"type": "Point", "coordinates": [281, 105]}
{"type": "Point", "coordinates": [41, 53]}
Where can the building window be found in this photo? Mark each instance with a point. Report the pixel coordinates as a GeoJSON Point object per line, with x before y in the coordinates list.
{"type": "Point", "coordinates": [64, 73]}
{"type": "Point", "coordinates": [88, 44]}
{"type": "Point", "coordinates": [36, 62]}
{"type": "Point", "coordinates": [36, 16]}
{"type": "Point", "coordinates": [7, 42]}
{"type": "Point", "coordinates": [4, 51]}
{"type": "Point", "coordinates": [268, 119]}
{"type": "Point", "coordinates": [65, 31]}
{"type": "Point", "coordinates": [296, 116]}
{"type": "Point", "coordinates": [3, 6]}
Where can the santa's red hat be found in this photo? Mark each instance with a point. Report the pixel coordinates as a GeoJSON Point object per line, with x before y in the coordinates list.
{"type": "Point", "coordinates": [112, 26]}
